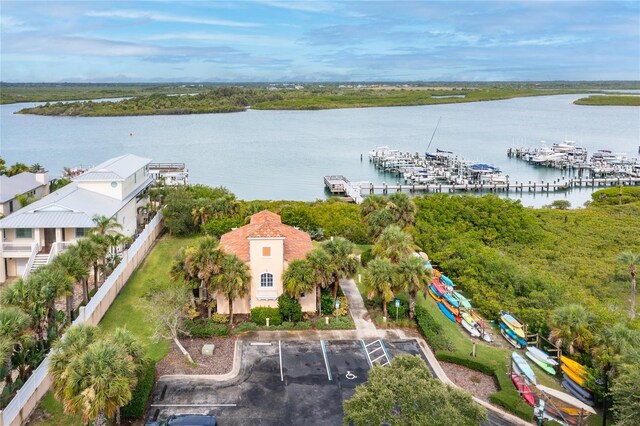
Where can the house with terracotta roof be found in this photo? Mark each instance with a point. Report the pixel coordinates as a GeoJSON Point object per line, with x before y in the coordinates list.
{"type": "Point", "coordinates": [267, 246]}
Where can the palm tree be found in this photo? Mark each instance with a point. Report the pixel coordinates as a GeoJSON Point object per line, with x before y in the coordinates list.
{"type": "Point", "coordinates": [631, 260]}
{"type": "Point", "coordinates": [412, 277]}
{"type": "Point", "coordinates": [204, 261]}
{"type": "Point", "coordinates": [14, 336]}
{"type": "Point", "coordinates": [378, 221]}
{"type": "Point", "coordinates": [233, 280]}
{"type": "Point", "coordinates": [298, 278]}
{"type": "Point", "coordinates": [105, 225]}
{"type": "Point", "coordinates": [372, 203]}
{"type": "Point", "coordinates": [342, 259]}
{"type": "Point", "coordinates": [320, 263]}
{"type": "Point", "coordinates": [201, 212]}
{"type": "Point", "coordinates": [25, 199]}
{"type": "Point", "coordinates": [74, 267]}
{"type": "Point", "coordinates": [53, 282]}
{"type": "Point", "coordinates": [403, 209]}
{"type": "Point", "coordinates": [570, 327]}
{"type": "Point", "coordinates": [84, 250]}
{"type": "Point", "coordinates": [378, 280]}
{"type": "Point", "coordinates": [393, 244]}
{"type": "Point", "coordinates": [96, 252]}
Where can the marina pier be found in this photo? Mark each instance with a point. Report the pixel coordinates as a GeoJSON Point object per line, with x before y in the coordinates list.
{"type": "Point", "coordinates": [338, 184]}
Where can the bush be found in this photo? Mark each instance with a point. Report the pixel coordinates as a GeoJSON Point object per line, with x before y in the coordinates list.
{"type": "Point", "coordinates": [340, 323]}
{"type": "Point", "coordinates": [513, 402]}
{"type": "Point", "coordinates": [302, 325]}
{"type": "Point", "coordinates": [205, 328]}
{"type": "Point", "coordinates": [220, 318]}
{"type": "Point", "coordinates": [289, 308]}
{"type": "Point", "coordinates": [432, 331]}
{"type": "Point", "coordinates": [403, 309]}
{"type": "Point", "coordinates": [246, 326]}
{"type": "Point", "coordinates": [326, 303]}
{"type": "Point", "coordinates": [366, 256]}
{"type": "Point", "coordinates": [136, 407]}
{"type": "Point", "coordinates": [344, 306]}
{"type": "Point", "coordinates": [219, 226]}
{"type": "Point", "coordinates": [260, 314]}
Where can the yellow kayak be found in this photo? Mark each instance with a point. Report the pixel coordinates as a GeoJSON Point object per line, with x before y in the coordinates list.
{"type": "Point", "coordinates": [578, 368]}
{"type": "Point", "coordinates": [572, 375]}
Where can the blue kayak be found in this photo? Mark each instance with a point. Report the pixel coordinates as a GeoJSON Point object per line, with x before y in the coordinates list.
{"type": "Point", "coordinates": [521, 366]}
{"type": "Point", "coordinates": [436, 292]}
{"type": "Point", "coordinates": [568, 383]}
{"type": "Point", "coordinates": [446, 312]}
{"type": "Point", "coordinates": [512, 334]}
{"type": "Point", "coordinates": [573, 391]}
{"type": "Point", "coordinates": [446, 280]}
{"type": "Point", "coordinates": [452, 300]}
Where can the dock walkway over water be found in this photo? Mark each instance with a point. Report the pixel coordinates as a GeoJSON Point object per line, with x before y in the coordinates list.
{"type": "Point", "coordinates": [338, 184]}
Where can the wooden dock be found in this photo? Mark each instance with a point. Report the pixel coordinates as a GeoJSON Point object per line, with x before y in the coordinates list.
{"type": "Point", "coordinates": [338, 184]}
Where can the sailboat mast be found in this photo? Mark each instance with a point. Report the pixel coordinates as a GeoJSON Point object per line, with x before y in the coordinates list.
{"type": "Point", "coordinates": [434, 133]}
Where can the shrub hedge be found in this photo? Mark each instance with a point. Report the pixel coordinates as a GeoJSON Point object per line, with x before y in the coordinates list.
{"type": "Point", "coordinates": [260, 314]}
{"type": "Point", "coordinates": [290, 308]}
{"type": "Point", "coordinates": [432, 331]}
{"type": "Point", "coordinates": [205, 328]}
{"type": "Point", "coordinates": [136, 407]}
{"type": "Point", "coordinates": [340, 323]}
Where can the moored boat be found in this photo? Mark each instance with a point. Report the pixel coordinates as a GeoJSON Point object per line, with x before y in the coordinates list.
{"type": "Point", "coordinates": [521, 366]}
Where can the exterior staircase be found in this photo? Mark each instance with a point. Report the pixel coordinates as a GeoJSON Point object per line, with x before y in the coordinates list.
{"type": "Point", "coordinates": [41, 259]}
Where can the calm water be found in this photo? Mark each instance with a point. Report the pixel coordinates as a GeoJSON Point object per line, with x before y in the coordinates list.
{"type": "Point", "coordinates": [285, 154]}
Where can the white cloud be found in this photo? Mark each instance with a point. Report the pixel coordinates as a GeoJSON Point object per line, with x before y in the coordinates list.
{"type": "Point", "coordinates": [9, 24]}
{"type": "Point", "coordinates": [223, 38]}
{"type": "Point", "coordinates": [302, 6]}
{"type": "Point", "coordinates": [162, 17]}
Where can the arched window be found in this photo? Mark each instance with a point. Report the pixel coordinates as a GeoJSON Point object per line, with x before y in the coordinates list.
{"type": "Point", "coordinates": [266, 280]}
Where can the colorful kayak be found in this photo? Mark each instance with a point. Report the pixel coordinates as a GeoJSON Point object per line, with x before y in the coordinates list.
{"type": "Point", "coordinates": [509, 339]}
{"type": "Point", "coordinates": [454, 311]}
{"type": "Point", "coordinates": [521, 366]}
{"type": "Point", "coordinates": [579, 380]}
{"type": "Point", "coordinates": [451, 300]}
{"type": "Point", "coordinates": [523, 389]}
{"type": "Point", "coordinates": [513, 335]}
{"type": "Point", "coordinates": [563, 399]}
{"type": "Point", "coordinates": [434, 295]}
{"type": "Point", "coordinates": [513, 323]}
{"type": "Point", "coordinates": [464, 302]}
{"type": "Point", "coordinates": [468, 319]}
{"type": "Point", "coordinates": [578, 368]}
{"type": "Point", "coordinates": [546, 367]}
{"type": "Point", "coordinates": [438, 286]}
{"type": "Point", "coordinates": [470, 329]}
{"type": "Point", "coordinates": [485, 330]}
{"type": "Point", "coordinates": [576, 387]}
{"type": "Point", "coordinates": [542, 356]}
{"type": "Point", "coordinates": [446, 312]}
{"type": "Point", "coordinates": [446, 280]}
{"type": "Point", "coordinates": [577, 394]}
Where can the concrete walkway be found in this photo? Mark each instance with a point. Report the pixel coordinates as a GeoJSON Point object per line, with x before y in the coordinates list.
{"type": "Point", "coordinates": [364, 325]}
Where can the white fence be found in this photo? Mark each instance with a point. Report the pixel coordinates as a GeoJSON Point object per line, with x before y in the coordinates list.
{"type": "Point", "coordinates": [39, 382]}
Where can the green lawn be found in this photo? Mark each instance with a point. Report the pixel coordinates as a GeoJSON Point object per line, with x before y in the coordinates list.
{"type": "Point", "coordinates": [127, 311]}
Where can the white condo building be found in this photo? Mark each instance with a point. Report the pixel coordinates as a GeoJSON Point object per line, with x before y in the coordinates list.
{"type": "Point", "coordinates": [33, 235]}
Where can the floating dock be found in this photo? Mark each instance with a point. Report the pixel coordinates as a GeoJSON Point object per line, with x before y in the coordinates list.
{"type": "Point", "coordinates": [338, 184]}
{"type": "Point", "coordinates": [171, 174]}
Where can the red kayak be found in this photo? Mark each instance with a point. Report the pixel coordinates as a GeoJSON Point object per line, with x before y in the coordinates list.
{"type": "Point", "coordinates": [524, 389]}
{"type": "Point", "coordinates": [435, 282]}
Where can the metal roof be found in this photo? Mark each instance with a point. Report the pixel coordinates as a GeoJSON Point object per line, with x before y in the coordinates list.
{"type": "Point", "coordinates": [69, 207]}
{"type": "Point", "coordinates": [17, 185]}
{"type": "Point", "coordinates": [118, 168]}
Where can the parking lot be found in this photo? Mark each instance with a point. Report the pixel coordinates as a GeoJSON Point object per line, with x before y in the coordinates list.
{"type": "Point", "coordinates": [281, 383]}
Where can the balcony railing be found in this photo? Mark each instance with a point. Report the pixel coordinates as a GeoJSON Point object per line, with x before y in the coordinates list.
{"type": "Point", "coordinates": [17, 249]}
{"type": "Point", "coordinates": [35, 248]}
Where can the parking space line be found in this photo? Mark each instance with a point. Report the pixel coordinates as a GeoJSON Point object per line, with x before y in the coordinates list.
{"type": "Point", "coordinates": [193, 405]}
{"type": "Point", "coordinates": [280, 351]}
{"type": "Point", "coordinates": [326, 360]}
{"type": "Point", "coordinates": [366, 354]}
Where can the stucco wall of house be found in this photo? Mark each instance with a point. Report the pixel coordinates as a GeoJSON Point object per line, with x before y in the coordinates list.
{"type": "Point", "coordinates": [103, 188]}
{"type": "Point", "coordinates": [127, 217]}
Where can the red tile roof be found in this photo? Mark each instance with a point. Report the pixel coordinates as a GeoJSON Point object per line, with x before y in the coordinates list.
{"type": "Point", "coordinates": [266, 224]}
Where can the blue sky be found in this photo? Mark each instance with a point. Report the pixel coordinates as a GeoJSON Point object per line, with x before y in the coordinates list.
{"type": "Point", "coordinates": [263, 40]}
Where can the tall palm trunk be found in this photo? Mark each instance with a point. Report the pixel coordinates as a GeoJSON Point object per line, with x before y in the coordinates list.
{"type": "Point", "coordinates": [632, 269]}
{"type": "Point", "coordinates": [85, 290]}
{"type": "Point", "coordinates": [101, 420]}
{"type": "Point", "coordinates": [336, 284]}
{"type": "Point", "coordinates": [384, 306]}
{"type": "Point", "coordinates": [231, 311]}
{"type": "Point", "coordinates": [70, 308]}
{"type": "Point", "coordinates": [318, 299]}
{"type": "Point", "coordinates": [95, 276]}
{"type": "Point", "coordinates": [412, 304]}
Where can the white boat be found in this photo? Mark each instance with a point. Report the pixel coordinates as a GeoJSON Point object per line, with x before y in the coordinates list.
{"type": "Point", "coordinates": [545, 155]}
{"type": "Point", "coordinates": [566, 146]}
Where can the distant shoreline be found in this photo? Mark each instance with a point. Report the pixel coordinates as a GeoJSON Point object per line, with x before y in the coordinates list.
{"type": "Point", "coordinates": [609, 100]}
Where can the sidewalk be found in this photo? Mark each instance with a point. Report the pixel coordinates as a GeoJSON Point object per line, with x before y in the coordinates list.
{"type": "Point", "coordinates": [359, 313]}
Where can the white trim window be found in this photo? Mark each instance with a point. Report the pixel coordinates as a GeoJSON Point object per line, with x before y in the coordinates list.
{"type": "Point", "coordinates": [266, 280]}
